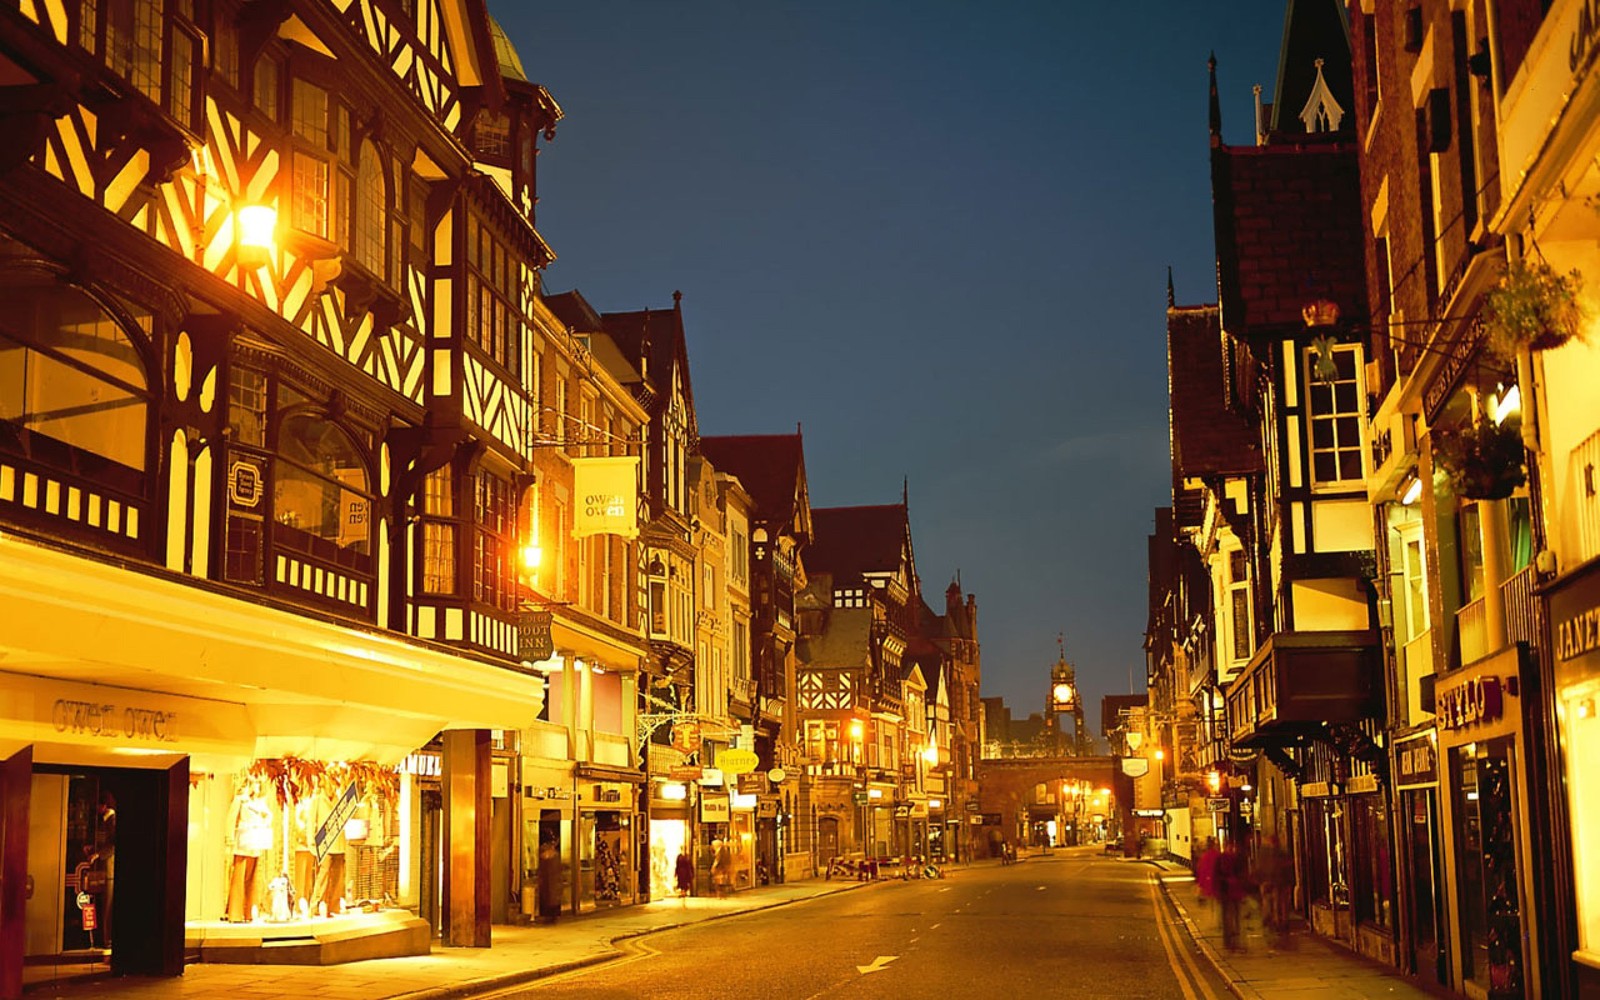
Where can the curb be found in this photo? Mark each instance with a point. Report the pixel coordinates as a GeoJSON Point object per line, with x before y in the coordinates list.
{"type": "Point", "coordinates": [474, 987]}
{"type": "Point", "coordinates": [1223, 970]}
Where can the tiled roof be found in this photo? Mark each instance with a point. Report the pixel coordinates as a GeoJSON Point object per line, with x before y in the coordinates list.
{"type": "Point", "coordinates": [768, 465]}
{"type": "Point", "coordinates": [1288, 231]}
{"type": "Point", "coordinates": [851, 541]}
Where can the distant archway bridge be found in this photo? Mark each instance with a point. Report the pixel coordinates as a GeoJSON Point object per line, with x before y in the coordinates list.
{"type": "Point", "coordinates": [1006, 785]}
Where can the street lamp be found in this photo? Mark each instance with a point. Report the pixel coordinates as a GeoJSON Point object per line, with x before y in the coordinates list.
{"type": "Point", "coordinates": [256, 234]}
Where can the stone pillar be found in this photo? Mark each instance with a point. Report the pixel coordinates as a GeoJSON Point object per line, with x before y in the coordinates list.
{"type": "Point", "coordinates": [16, 786]}
{"type": "Point", "coordinates": [465, 900]}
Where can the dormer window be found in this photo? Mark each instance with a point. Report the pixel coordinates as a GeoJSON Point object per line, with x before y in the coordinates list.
{"type": "Point", "coordinates": [492, 137]}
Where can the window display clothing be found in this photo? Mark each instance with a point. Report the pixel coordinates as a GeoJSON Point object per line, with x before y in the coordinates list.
{"type": "Point", "coordinates": [328, 889]}
{"type": "Point", "coordinates": [250, 829]}
{"type": "Point", "coordinates": [305, 861]}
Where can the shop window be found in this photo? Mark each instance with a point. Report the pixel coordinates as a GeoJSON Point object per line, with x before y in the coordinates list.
{"type": "Point", "coordinates": [438, 532]}
{"type": "Point", "coordinates": [73, 387]}
{"type": "Point", "coordinates": [1486, 855]}
{"type": "Point", "coordinates": [1335, 419]}
{"type": "Point", "coordinates": [1581, 732]}
{"type": "Point", "coordinates": [1375, 883]}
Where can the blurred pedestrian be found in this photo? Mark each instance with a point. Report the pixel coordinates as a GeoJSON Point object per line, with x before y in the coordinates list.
{"type": "Point", "coordinates": [721, 869]}
{"type": "Point", "coordinates": [1232, 885]}
{"type": "Point", "coordinates": [1205, 869]}
{"type": "Point", "coordinates": [1275, 873]}
{"type": "Point", "coordinates": [549, 883]}
{"type": "Point", "coordinates": [683, 875]}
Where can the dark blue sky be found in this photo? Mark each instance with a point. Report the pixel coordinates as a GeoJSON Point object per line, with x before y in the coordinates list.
{"type": "Point", "coordinates": [934, 234]}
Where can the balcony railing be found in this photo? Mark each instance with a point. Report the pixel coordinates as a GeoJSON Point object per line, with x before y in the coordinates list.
{"type": "Point", "coordinates": [1518, 595]}
{"type": "Point", "coordinates": [1473, 628]}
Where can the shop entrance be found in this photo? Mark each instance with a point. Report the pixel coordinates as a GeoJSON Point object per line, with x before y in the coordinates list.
{"type": "Point", "coordinates": [827, 839]}
{"type": "Point", "coordinates": [102, 873]}
{"type": "Point", "coordinates": [1420, 815]}
{"type": "Point", "coordinates": [431, 851]}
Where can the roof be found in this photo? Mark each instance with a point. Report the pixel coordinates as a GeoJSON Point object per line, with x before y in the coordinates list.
{"type": "Point", "coordinates": [506, 54]}
{"type": "Point", "coordinates": [852, 541]}
{"type": "Point", "coordinates": [772, 468]}
{"type": "Point", "coordinates": [653, 339]}
{"type": "Point", "coordinates": [1208, 437]}
{"type": "Point", "coordinates": [1288, 232]}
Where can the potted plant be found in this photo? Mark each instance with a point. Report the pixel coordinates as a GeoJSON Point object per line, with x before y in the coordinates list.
{"type": "Point", "coordinates": [1483, 461]}
{"type": "Point", "coordinates": [1535, 307]}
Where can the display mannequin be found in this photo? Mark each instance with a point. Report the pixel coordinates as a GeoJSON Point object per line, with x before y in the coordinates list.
{"type": "Point", "coordinates": [327, 893]}
{"type": "Point", "coordinates": [249, 837]}
{"type": "Point", "coordinates": [305, 861]}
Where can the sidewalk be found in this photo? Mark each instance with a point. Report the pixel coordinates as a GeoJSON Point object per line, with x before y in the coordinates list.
{"type": "Point", "coordinates": [519, 955]}
{"type": "Point", "coordinates": [1310, 968]}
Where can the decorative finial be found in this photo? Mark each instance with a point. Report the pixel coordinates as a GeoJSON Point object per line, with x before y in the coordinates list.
{"type": "Point", "coordinates": [1172, 299]}
{"type": "Point", "coordinates": [1216, 102]}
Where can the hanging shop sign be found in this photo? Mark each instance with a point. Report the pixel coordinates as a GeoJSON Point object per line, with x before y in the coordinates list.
{"type": "Point", "coordinates": [715, 809]}
{"type": "Point", "coordinates": [751, 783]}
{"type": "Point", "coordinates": [1219, 805]}
{"type": "Point", "coordinates": [686, 736]}
{"type": "Point", "coordinates": [686, 772]}
{"type": "Point", "coordinates": [737, 760]}
{"type": "Point", "coordinates": [535, 643]}
{"type": "Point", "coordinates": [608, 496]}
{"type": "Point", "coordinates": [1362, 784]}
{"type": "Point", "coordinates": [1470, 702]}
{"type": "Point", "coordinates": [767, 807]}
{"type": "Point", "coordinates": [1135, 767]}
{"type": "Point", "coordinates": [1416, 762]}
{"type": "Point", "coordinates": [776, 775]}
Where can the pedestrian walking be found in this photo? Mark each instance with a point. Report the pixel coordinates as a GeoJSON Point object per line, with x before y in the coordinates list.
{"type": "Point", "coordinates": [1275, 874]}
{"type": "Point", "coordinates": [1233, 884]}
{"type": "Point", "coordinates": [721, 869]}
{"type": "Point", "coordinates": [1205, 870]}
{"type": "Point", "coordinates": [683, 875]}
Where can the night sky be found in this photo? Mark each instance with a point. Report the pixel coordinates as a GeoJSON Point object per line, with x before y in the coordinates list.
{"type": "Point", "coordinates": [936, 236]}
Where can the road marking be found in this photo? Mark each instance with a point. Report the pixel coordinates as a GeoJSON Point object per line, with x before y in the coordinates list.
{"type": "Point", "coordinates": [1038, 888]}
{"type": "Point", "coordinates": [1171, 941]}
{"type": "Point", "coordinates": [878, 964]}
{"type": "Point", "coordinates": [934, 927]}
{"type": "Point", "coordinates": [948, 888]}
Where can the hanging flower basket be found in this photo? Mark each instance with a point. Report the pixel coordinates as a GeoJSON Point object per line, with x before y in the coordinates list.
{"type": "Point", "coordinates": [1484, 461]}
{"type": "Point", "coordinates": [1534, 307]}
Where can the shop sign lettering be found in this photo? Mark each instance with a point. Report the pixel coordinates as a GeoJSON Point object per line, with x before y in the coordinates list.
{"type": "Point", "coordinates": [111, 721]}
{"type": "Point", "coordinates": [1472, 702]}
{"type": "Point", "coordinates": [1418, 761]}
{"type": "Point", "coordinates": [1579, 633]}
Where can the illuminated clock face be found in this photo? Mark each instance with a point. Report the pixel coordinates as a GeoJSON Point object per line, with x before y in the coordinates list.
{"type": "Point", "coordinates": [1063, 693]}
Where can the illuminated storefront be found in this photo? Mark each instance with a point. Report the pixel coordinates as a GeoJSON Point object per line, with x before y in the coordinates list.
{"type": "Point", "coordinates": [1575, 640]}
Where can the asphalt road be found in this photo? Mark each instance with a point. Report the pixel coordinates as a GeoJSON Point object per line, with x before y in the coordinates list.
{"type": "Point", "coordinates": [1075, 924]}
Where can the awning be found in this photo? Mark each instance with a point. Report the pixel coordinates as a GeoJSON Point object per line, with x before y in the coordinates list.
{"type": "Point", "coordinates": [310, 687]}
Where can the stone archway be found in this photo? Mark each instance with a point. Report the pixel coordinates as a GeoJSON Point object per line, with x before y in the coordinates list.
{"type": "Point", "coordinates": [1006, 783]}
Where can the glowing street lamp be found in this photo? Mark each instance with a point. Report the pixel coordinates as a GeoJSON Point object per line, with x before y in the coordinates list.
{"type": "Point", "coordinates": [257, 232]}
